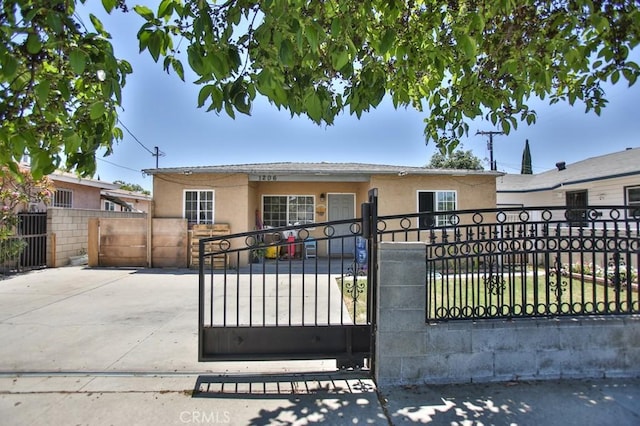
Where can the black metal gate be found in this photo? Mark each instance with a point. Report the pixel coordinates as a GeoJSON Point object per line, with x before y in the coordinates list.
{"type": "Point", "coordinates": [32, 229]}
{"type": "Point", "coordinates": [290, 293]}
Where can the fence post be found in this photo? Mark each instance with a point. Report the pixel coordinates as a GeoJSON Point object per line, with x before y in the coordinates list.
{"type": "Point", "coordinates": [93, 242]}
{"type": "Point", "coordinates": [370, 232]}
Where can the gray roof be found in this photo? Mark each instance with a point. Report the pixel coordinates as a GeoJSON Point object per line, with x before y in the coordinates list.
{"type": "Point", "coordinates": [319, 169]}
{"type": "Point", "coordinates": [617, 164]}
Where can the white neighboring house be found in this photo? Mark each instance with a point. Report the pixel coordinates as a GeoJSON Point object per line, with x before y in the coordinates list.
{"type": "Point", "coordinates": [612, 179]}
{"type": "Point", "coordinates": [121, 200]}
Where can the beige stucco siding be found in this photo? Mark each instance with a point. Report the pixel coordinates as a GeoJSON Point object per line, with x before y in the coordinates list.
{"type": "Point", "coordinates": [399, 194]}
{"type": "Point", "coordinates": [230, 197]}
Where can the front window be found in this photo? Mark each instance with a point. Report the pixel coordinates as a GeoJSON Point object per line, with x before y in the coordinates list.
{"type": "Point", "coordinates": [283, 210]}
{"type": "Point", "coordinates": [198, 207]}
{"type": "Point", "coordinates": [63, 198]}
{"type": "Point", "coordinates": [576, 207]}
{"type": "Point", "coordinates": [109, 205]}
{"type": "Point", "coordinates": [434, 202]}
{"type": "Point", "coordinates": [633, 201]}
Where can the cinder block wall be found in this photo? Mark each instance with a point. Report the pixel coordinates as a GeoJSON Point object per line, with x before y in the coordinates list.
{"type": "Point", "coordinates": [410, 351]}
{"type": "Point", "coordinates": [67, 231]}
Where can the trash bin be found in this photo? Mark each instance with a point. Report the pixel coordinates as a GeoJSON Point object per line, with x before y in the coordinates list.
{"type": "Point", "coordinates": [361, 251]}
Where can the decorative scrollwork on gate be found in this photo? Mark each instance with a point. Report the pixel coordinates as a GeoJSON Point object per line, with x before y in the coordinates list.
{"type": "Point", "coordinates": [495, 284]}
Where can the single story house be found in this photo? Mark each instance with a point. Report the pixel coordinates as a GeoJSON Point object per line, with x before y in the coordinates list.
{"type": "Point", "coordinates": [74, 192]}
{"type": "Point", "coordinates": [612, 179]}
{"type": "Point", "coordinates": [121, 200]}
{"type": "Point", "coordinates": [249, 196]}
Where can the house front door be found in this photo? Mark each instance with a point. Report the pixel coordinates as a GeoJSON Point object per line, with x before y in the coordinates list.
{"type": "Point", "coordinates": [341, 206]}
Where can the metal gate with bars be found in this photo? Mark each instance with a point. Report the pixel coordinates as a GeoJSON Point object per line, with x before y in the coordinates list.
{"type": "Point", "coordinates": [267, 296]}
{"type": "Point", "coordinates": [31, 232]}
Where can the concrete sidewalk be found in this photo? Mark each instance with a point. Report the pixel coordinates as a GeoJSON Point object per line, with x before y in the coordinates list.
{"type": "Point", "coordinates": [116, 346]}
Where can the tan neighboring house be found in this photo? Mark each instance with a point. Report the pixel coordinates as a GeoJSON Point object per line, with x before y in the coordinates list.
{"type": "Point", "coordinates": [281, 194]}
{"type": "Point", "coordinates": [612, 179]}
{"type": "Point", "coordinates": [121, 200]}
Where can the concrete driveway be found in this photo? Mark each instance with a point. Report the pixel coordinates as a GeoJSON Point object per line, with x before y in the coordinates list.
{"type": "Point", "coordinates": [79, 320]}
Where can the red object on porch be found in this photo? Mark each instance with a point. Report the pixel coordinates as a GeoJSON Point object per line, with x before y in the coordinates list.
{"type": "Point", "coordinates": [291, 248]}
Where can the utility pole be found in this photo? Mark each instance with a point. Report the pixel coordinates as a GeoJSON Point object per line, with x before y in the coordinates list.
{"type": "Point", "coordinates": [157, 154]}
{"type": "Point", "coordinates": [490, 133]}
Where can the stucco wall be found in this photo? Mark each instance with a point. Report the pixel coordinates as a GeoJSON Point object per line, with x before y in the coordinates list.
{"type": "Point", "coordinates": [236, 199]}
{"type": "Point", "coordinates": [410, 351]}
{"type": "Point", "coordinates": [84, 197]}
{"type": "Point", "coordinates": [230, 197]}
{"type": "Point", "coordinates": [398, 194]}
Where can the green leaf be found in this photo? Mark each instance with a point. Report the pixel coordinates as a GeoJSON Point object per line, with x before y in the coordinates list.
{"type": "Point", "coordinates": [98, 26]}
{"type": "Point", "coordinates": [145, 12]}
{"type": "Point", "coordinates": [33, 44]}
{"type": "Point", "coordinates": [229, 109]}
{"type": "Point", "coordinates": [336, 27]}
{"type": "Point", "coordinates": [54, 21]}
{"type": "Point", "coordinates": [312, 37]}
{"type": "Point", "coordinates": [9, 66]}
{"type": "Point", "coordinates": [615, 76]}
{"type": "Point", "coordinates": [42, 91]}
{"type": "Point", "coordinates": [109, 5]}
{"type": "Point", "coordinates": [286, 53]}
{"type": "Point", "coordinates": [340, 59]}
{"type": "Point", "coordinates": [165, 9]}
{"type": "Point", "coordinates": [204, 94]}
{"type": "Point", "coordinates": [468, 45]}
{"type": "Point", "coordinates": [387, 41]}
{"type": "Point", "coordinates": [78, 61]}
{"type": "Point", "coordinates": [96, 110]}
{"type": "Point", "coordinates": [72, 141]}
{"type": "Point", "coordinates": [177, 67]}
{"type": "Point", "coordinates": [155, 44]}
{"type": "Point", "coordinates": [313, 105]}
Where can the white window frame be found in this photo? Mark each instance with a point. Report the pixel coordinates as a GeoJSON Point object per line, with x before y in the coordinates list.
{"type": "Point", "coordinates": [631, 203]}
{"type": "Point", "coordinates": [441, 221]}
{"type": "Point", "coordinates": [288, 219]}
{"type": "Point", "coordinates": [109, 205]}
{"type": "Point", "coordinates": [199, 205]}
{"type": "Point", "coordinates": [67, 201]}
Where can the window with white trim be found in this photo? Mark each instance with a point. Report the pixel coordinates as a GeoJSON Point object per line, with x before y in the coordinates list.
{"type": "Point", "coordinates": [283, 210]}
{"type": "Point", "coordinates": [435, 201]}
{"type": "Point", "coordinates": [633, 200]}
{"type": "Point", "coordinates": [63, 198]}
{"type": "Point", "coordinates": [109, 205]}
{"type": "Point", "coordinates": [198, 206]}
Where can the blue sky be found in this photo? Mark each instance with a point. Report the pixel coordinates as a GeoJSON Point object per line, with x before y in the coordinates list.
{"type": "Point", "coordinates": [161, 110]}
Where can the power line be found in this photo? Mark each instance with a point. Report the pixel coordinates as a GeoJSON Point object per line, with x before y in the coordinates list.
{"type": "Point", "coordinates": [118, 165]}
{"type": "Point", "coordinates": [135, 138]}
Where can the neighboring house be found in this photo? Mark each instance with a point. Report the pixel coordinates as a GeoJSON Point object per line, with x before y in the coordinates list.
{"type": "Point", "coordinates": [278, 194]}
{"type": "Point", "coordinates": [121, 200]}
{"type": "Point", "coordinates": [74, 192]}
{"type": "Point", "coordinates": [612, 179]}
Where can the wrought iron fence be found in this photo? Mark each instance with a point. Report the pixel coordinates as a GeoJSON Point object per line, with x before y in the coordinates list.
{"type": "Point", "coordinates": [286, 275]}
{"type": "Point", "coordinates": [490, 263]}
{"type": "Point", "coordinates": [27, 249]}
{"type": "Point", "coordinates": [538, 262]}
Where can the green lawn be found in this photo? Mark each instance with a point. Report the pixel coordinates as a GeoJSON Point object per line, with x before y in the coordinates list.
{"type": "Point", "coordinates": [354, 297]}
{"type": "Point", "coordinates": [530, 294]}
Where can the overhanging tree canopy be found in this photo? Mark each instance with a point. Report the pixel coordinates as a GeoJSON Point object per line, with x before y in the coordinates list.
{"type": "Point", "coordinates": [454, 60]}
